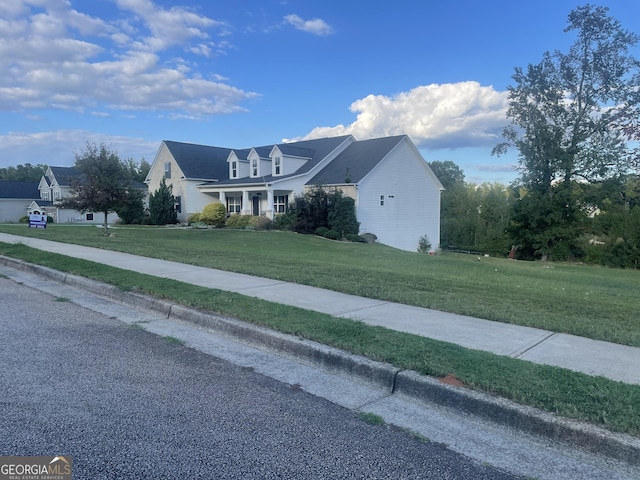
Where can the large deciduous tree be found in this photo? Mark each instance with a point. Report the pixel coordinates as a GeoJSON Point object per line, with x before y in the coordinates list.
{"type": "Point", "coordinates": [574, 118]}
{"type": "Point", "coordinates": [104, 184]}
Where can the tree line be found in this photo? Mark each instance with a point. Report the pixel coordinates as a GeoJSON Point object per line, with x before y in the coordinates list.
{"type": "Point", "coordinates": [493, 218]}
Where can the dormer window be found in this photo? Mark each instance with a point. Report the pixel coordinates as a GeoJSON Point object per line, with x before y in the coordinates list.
{"type": "Point", "coordinates": [234, 169]}
{"type": "Point", "coordinates": [254, 167]}
{"type": "Point", "coordinates": [277, 166]}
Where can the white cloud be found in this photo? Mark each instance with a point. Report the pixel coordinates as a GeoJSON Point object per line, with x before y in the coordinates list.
{"type": "Point", "coordinates": [57, 57]}
{"type": "Point", "coordinates": [316, 26]}
{"type": "Point", "coordinates": [436, 116]}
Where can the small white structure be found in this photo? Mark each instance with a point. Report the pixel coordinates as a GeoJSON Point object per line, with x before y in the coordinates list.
{"type": "Point", "coordinates": [397, 196]}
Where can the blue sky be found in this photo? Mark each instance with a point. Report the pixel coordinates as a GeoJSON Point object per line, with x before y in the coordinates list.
{"type": "Point", "coordinates": [242, 73]}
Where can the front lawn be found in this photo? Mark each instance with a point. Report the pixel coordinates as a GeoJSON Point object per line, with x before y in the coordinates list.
{"type": "Point", "coordinates": [589, 301]}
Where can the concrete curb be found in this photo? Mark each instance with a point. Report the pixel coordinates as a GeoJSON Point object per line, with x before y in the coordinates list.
{"type": "Point", "coordinates": [403, 382]}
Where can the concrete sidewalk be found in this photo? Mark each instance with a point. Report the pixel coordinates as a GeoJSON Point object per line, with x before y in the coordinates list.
{"type": "Point", "coordinates": [593, 357]}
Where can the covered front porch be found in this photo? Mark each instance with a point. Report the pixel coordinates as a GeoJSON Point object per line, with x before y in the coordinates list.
{"type": "Point", "coordinates": [254, 201]}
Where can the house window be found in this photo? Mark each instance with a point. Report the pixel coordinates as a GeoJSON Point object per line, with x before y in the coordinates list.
{"type": "Point", "coordinates": [234, 169]}
{"type": "Point", "coordinates": [178, 204]}
{"type": "Point", "coordinates": [89, 217]}
{"type": "Point", "coordinates": [382, 200]}
{"type": "Point", "coordinates": [167, 170]}
{"type": "Point", "coordinates": [234, 204]}
{"type": "Point", "coordinates": [56, 195]}
{"type": "Point", "coordinates": [280, 203]}
{"type": "Point", "coordinates": [277, 163]}
{"type": "Point", "coordinates": [45, 195]}
{"type": "Point", "coordinates": [254, 167]}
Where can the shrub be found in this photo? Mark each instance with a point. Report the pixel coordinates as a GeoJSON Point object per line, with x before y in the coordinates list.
{"type": "Point", "coordinates": [284, 221]}
{"type": "Point", "coordinates": [332, 235]}
{"type": "Point", "coordinates": [238, 221]}
{"type": "Point", "coordinates": [342, 215]}
{"type": "Point", "coordinates": [424, 244]}
{"type": "Point", "coordinates": [324, 208]}
{"type": "Point", "coordinates": [261, 223]}
{"type": "Point", "coordinates": [214, 214]}
{"type": "Point", "coordinates": [162, 210]}
{"type": "Point", "coordinates": [352, 237]}
{"type": "Point", "coordinates": [193, 218]}
{"type": "Point", "coordinates": [24, 219]}
{"type": "Point", "coordinates": [321, 231]}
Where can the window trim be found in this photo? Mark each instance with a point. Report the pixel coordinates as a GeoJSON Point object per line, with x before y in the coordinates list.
{"type": "Point", "coordinates": [234, 204]}
{"type": "Point", "coordinates": [277, 166]}
{"type": "Point", "coordinates": [280, 203]}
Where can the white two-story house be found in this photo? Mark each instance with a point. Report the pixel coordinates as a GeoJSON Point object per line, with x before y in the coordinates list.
{"type": "Point", "coordinates": [397, 196]}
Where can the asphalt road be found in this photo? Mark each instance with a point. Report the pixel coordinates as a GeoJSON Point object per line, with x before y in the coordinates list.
{"type": "Point", "coordinates": [125, 403]}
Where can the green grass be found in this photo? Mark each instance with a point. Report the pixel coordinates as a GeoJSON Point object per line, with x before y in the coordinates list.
{"type": "Point", "coordinates": [588, 301]}
{"type": "Point", "coordinates": [371, 418]}
{"type": "Point", "coordinates": [604, 402]}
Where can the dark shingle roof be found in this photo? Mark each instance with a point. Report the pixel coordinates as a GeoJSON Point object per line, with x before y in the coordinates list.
{"type": "Point", "coordinates": [315, 150]}
{"type": "Point", "coordinates": [21, 190]}
{"type": "Point", "coordinates": [64, 175]}
{"type": "Point", "coordinates": [356, 161]}
{"type": "Point", "coordinates": [200, 161]}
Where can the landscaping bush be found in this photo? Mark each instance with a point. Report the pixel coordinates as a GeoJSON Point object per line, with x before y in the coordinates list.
{"type": "Point", "coordinates": [424, 244]}
{"type": "Point", "coordinates": [321, 231]}
{"type": "Point", "coordinates": [342, 215]}
{"type": "Point", "coordinates": [332, 235]}
{"type": "Point", "coordinates": [285, 221]}
{"type": "Point", "coordinates": [193, 218]}
{"type": "Point", "coordinates": [238, 221]}
{"type": "Point", "coordinates": [324, 208]}
{"type": "Point", "coordinates": [261, 223]}
{"type": "Point", "coordinates": [352, 237]}
{"type": "Point", "coordinates": [214, 214]}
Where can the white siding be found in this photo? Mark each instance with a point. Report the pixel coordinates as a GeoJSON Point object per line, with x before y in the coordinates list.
{"type": "Point", "coordinates": [411, 200]}
{"type": "Point", "coordinates": [192, 199]}
{"type": "Point", "coordinates": [292, 164]}
{"type": "Point", "coordinates": [12, 210]}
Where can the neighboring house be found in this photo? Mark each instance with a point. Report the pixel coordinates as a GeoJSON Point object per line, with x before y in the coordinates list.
{"type": "Point", "coordinates": [55, 185]}
{"type": "Point", "coordinates": [19, 199]}
{"type": "Point", "coordinates": [397, 196]}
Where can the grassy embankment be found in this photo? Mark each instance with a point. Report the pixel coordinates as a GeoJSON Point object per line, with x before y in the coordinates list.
{"type": "Point", "coordinates": [589, 301]}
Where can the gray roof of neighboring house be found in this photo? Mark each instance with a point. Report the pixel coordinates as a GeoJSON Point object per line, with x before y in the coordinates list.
{"type": "Point", "coordinates": [20, 190]}
{"type": "Point", "coordinates": [64, 175]}
{"type": "Point", "coordinates": [200, 161]}
{"type": "Point", "coordinates": [356, 161]}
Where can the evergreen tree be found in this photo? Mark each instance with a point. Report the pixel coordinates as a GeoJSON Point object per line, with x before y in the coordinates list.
{"type": "Point", "coordinates": [162, 209]}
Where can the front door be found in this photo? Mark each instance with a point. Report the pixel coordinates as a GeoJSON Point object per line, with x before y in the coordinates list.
{"type": "Point", "coordinates": [256, 206]}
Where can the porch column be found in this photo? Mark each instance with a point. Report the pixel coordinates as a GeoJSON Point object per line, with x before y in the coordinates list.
{"type": "Point", "coordinates": [269, 211]}
{"type": "Point", "coordinates": [246, 203]}
{"type": "Point", "coordinates": [223, 199]}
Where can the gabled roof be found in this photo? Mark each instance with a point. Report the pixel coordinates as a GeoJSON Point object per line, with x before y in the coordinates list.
{"type": "Point", "coordinates": [294, 151]}
{"type": "Point", "coordinates": [19, 190]}
{"type": "Point", "coordinates": [356, 161]}
{"type": "Point", "coordinates": [200, 161]}
{"type": "Point", "coordinates": [315, 150]}
{"type": "Point", "coordinates": [64, 175]}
